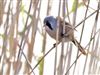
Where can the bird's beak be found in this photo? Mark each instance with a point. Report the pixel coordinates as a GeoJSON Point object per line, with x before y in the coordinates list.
{"type": "Point", "coordinates": [44, 26]}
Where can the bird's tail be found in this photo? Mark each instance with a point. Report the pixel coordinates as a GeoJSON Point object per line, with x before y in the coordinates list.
{"type": "Point", "coordinates": [79, 46]}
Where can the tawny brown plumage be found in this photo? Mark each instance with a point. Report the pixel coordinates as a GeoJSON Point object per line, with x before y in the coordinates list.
{"type": "Point", "coordinates": [68, 35]}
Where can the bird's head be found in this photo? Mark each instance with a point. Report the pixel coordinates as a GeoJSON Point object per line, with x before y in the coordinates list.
{"type": "Point", "coordinates": [50, 22]}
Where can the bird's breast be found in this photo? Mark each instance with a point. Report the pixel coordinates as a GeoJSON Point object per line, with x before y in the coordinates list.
{"type": "Point", "coordinates": [51, 33]}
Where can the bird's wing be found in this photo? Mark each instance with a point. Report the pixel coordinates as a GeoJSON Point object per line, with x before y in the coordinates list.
{"type": "Point", "coordinates": [66, 23]}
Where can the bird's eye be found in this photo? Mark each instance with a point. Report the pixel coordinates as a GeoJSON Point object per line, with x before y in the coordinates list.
{"type": "Point", "coordinates": [49, 25]}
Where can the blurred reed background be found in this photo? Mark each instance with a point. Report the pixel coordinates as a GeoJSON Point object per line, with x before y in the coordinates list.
{"type": "Point", "coordinates": [26, 49]}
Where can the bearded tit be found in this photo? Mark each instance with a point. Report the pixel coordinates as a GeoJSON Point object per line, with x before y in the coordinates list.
{"type": "Point", "coordinates": [50, 25]}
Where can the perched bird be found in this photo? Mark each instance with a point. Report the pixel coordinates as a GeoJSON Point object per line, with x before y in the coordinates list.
{"type": "Point", "coordinates": [50, 24]}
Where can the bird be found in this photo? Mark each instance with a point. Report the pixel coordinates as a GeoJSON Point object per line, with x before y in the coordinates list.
{"type": "Point", "coordinates": [50, 25]}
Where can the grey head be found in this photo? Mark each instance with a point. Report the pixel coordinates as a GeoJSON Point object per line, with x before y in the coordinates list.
{"type": "Point", "coordinates": [51, 22]}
